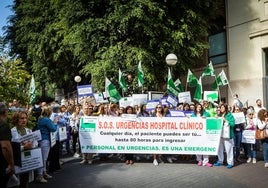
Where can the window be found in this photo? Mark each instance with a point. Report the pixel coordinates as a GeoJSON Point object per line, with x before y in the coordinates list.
{"type": "Point", "coordinates": [217, 48]}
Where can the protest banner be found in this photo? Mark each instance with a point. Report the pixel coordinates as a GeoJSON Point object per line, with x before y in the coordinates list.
{"type": "Point", "coordinates": [126, 101]}
{"type": "Point", "coordinates": [62, 133]}
{"type": "Point", "coordinates": [33, 136]}
{"type": "Point", "coordinates": [149, 135]}
{"type": "Point", "coordinates": [248, 136]}
{"type": "Point", "coordinates": [185, 97]}
{"type": "Point", "coordinates": [53, 138]}
{"type": "Point", "coordinates": [30, 159]}
{"type": "Point", "coordinates": [239, 117]}
{"type": "Point", "coordinates": [139, 99]}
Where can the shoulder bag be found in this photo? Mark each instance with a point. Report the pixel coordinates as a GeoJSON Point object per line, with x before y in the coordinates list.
{"type": "Point", "coordinates": [260, 134]}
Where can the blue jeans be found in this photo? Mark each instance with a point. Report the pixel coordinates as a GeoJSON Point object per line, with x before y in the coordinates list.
{"type": "Point", "coordinates": [265, 150]}
{"type": "Point", "coordinates": [251, 153]}
{"type": "Point", "coordinates": [237, 143]}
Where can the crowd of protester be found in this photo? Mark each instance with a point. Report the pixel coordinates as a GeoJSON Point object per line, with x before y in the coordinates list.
{"type": "Point", "coordinates": [51, 117]}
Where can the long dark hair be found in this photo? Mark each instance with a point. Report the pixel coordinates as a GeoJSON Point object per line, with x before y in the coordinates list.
{"type": "Point", "coordinates": [226, 109]}
{"type": "Point", "coordinates": [202, 109]}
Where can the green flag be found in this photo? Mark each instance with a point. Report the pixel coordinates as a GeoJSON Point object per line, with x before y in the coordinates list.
{"type": "Point", "coordinates": [191, 79]}
{"type": "Point", "coordinates": [221, 80]}
{"type": "Point", "coordinates": [209, 70]}
{"type": "Point", "coordinates": [178, 85]}
{"type": "Point", "coordinates": [198, 90]}
{"type": "Point", "coordinates": [32, 91]}
{"type": "Point", "coordinates": [140, 75]}
{"type": "Point", "coordinates": [111, 91]}
{"type": "Point", "coordinates": [122, 81]}
{"type": "Point", "coordinates": [171, 88]}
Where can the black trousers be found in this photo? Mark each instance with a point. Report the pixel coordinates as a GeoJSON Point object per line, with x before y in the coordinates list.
{"type": "Point", "coordinates": [3, 178]}
{"type": "Point", "coordinates": [54, 158]}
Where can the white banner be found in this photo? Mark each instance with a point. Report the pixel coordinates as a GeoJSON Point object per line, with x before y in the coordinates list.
{"type": "Point", "coordinates": [126, 101]}
{"type": "Point", "coordinates": [185, 97]}
{"type": "Point", "coordinates": [33, 136]}
{"type": "Point", "coordinates": [139, 99]}
{"type": "Point", "coordinates": [167, 135]}
{"type": "Point", "coordinates": [239, 117]}
{"type": "Point", "coordinates": [30, 160]}
{"type": "Point", "coordinates": [53, 138]}
{"type": "Point", "coordinates": [248, 136]}
{"type": "Point", "coordinates": [62, 133]}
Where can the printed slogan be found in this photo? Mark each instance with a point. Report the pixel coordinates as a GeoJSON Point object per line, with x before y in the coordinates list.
{"type": "Point", "coordinates": [148, 135]}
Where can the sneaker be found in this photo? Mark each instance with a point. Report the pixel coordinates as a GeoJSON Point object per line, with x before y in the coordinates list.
{"type": "Point", "coordinates": [84, 162]}
{"type": "Point", "coordinates": [156, 163]}
{"type": "Point", "coordinates": [110, 156]}
{"type": "Point", "coordinates": [161, 161]}
{"type": "Point", "coordinates": [266, 165]}
{"type": "Point", "coordinates": [46, 176]}
{"type": "Point", "coordinates": [199, 163]}
{"type": "Point", "coordinates": [76, 155]}
{"type": "Point", "coordinates": [229, 166]}
{"type": "Point", "coordinates": [208, 164]}
{"type": "Point", "coordinates": [174, 158]}
{"type": "Point", "coordinates": [89, 162]}
{"type": "Point", "coordinates": [254, 161]}
{"type": "Point", "coordinates": [41, 179]}
{"type": "Point", "coordinates": [169, 160]}
{"type": "Point", "coordinates": [249, 160]}
{"type": "Point", "coordinates": [217, 164]}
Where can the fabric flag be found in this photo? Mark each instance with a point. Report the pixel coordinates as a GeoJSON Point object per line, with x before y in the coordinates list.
{"type": "Point", "coordinates": [171, 88]}
{"type": "Point", "coordinates": [32, 91]}
{"type": "Point", "coordinates": [122, 81]}
{"type": "Point", "coordinates": [199, 90]}
{"type": "Point", "coordinates": [191, 79]}
{"type": "Point", "coordinates": [140, 75]}
{"type": "Point", "coordinates": [111, 91]}
{"type": "Point", "coordinates": [178, 85]}
{"type": "Point", "coordinates": [209, 70]}
{"type": "Point", "coordinates": [221, 80]}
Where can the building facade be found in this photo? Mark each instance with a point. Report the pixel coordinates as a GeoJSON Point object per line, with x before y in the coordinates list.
{"type": "Point", "coordinates": [247, 49]}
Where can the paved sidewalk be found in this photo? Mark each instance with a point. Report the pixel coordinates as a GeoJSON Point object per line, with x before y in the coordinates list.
{"type": "Point", "coordinates": [115, 174]}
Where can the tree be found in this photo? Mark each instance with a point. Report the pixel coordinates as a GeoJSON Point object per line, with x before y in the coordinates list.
{"type": "Point", "coordinates": [14, 80]}
{"type": "Point", "coordinates": [97, 37]}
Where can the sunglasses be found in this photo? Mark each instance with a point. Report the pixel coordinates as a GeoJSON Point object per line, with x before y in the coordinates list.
{"type": "Point", "coordinates": [159, 107]}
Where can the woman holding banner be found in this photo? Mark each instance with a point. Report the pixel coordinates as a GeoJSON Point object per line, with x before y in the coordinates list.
{"type": "Point", "coordinates": [55, 151]}
{"type": "Point", "coordinates": [20, 120]}
{"type": "Point", "coordinates": [227, 140]}
{"type": "Point", "coordinates": [251, 123]}
{"type": "Point", "coordinates": [203, 160]}
{"type": "Point", "coordinates": [46, 127]}
{"type": "Point", "coordinates": [74, 123]}
{"type": "Point", "coordinates": [238, 129]}
{"type": "Point", "coordinates": [129, 157]}
{"type": "Point", "coordinates": [158, 112]}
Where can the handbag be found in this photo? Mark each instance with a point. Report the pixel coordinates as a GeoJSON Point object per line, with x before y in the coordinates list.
{"type": "Point", "coordinates": [260, 134]}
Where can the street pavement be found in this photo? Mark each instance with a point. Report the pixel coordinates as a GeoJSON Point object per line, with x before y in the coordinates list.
{"type": "Point", "coordinates": [113, 173]}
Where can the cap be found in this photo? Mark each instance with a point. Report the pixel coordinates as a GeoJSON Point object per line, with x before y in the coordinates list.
{"type": "Point", "coordinates": [3, 107]}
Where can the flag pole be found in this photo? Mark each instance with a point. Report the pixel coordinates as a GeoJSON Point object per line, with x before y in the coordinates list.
{"type": "Point", "coordinates": [218, 88]}
{"type": "Point", "coordinates": [122, 92]}
{"type": "Point", "coordinates": [232, 94]}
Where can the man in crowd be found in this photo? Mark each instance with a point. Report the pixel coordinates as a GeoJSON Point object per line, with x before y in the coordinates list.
{"type": "Point", "coordinates": [6, 153]}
